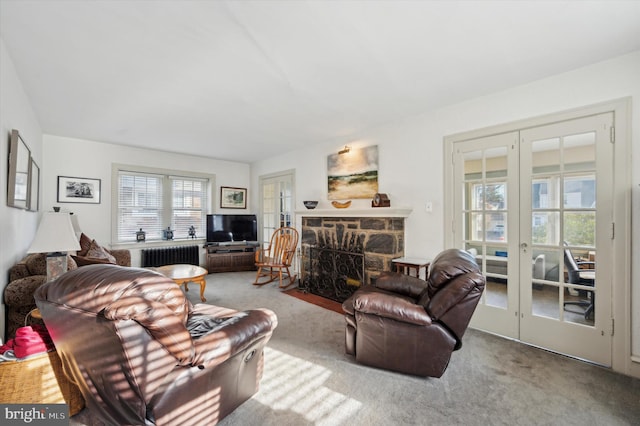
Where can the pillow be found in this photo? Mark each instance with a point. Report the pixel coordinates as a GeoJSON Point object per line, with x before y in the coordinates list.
{"type": "Point", "coordinates": [85, 245]}
{"type": "Point", "coordinates": [95, 254]}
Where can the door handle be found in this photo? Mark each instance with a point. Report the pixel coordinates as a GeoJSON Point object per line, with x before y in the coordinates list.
{"type": "Point", "coordinates": [524, 247]}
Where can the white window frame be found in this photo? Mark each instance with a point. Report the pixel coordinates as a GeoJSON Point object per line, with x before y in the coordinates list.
{"type": "Point", "coordinates": [168, 175]}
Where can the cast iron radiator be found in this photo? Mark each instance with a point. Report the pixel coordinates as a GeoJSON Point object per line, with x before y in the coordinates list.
{"type": "Point", "coordinates": [170, 256]}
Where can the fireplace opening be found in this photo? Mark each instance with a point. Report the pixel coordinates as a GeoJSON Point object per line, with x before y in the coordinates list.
{"type": "Point", "coordinates": [335, 274]}
{"type": "Point", "coordinates": [340, 254]}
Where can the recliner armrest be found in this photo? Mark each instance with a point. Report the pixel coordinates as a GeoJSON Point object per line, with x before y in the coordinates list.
{"type": "Point", "coordinates": [249, 327]}
{"type": "Point", "coordinates": [375, 301]}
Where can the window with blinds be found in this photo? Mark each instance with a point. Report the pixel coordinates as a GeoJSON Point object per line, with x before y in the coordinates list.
{"type": "Point", "coordinates": [152, 202]}
{"type": "Point", "coordinates": [189, 198]}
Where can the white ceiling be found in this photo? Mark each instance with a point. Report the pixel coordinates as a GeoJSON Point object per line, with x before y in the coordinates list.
{"type": "Point", "coordinates": [244, 80]}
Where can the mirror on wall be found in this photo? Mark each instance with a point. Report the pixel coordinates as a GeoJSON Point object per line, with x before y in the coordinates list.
{"type": "Point", "coordinates": [19, 166]}
{"type": "Point", "coordinates": [34, 186]}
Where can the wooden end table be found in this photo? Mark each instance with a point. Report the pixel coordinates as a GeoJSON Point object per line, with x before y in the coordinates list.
{"type": "Point", "coordinates": [183, 274]}
{"type": "Point", "coordinates": [405, 264]}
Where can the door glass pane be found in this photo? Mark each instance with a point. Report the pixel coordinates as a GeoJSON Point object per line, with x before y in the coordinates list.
{"type": "Point", "coordinates": [545, 193]}
{"type": "Point", "coordinates": [545, 300]}
{"type": "Point", "coordinates": [580, 285]}
{"type": "Point", "coordinates": [476, 227]}
{"type": "Point", "coordinates": [496, 271]}
{"type": "Point", "coordinates": [496, 162]}
{"type": "Point", "coordinates": [495, 196]}
{"type": "Point", "coordinates": [475, 198]}
{"type": "Point", "coordinates": [580, 228]}
{"type": "Point", "coordinates": [545, 228]}
{"type": "Point", "coordinates": [496, 226]}
{"type": "Point", "coordinates": [545, 155]}
{"type": "Point", "coordinates": [579, 151]}
{"type": "Point", "coordinates": [579, 191]}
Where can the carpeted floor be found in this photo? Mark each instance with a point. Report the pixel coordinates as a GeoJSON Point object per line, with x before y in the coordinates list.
{"type": "Point", "coordinates": [309, 380]}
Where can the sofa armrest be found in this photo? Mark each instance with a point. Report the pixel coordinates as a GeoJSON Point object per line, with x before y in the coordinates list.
{"type": "Point", "coordinates": [401, 284]}
{"type": "Point", "coordinates": [378, 302]}
{"type": "Point", "coordinates": [20, 292]}
{"type": "Point", "coordinates": [17, 271]}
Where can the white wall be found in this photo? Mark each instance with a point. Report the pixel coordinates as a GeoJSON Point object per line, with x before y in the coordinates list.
{"type": "Point", "coordinates": [17, 227]}
{"type": "Point", "coordinates": [411, 151]}
{"type": "Point", "coordinates": [90, 159]}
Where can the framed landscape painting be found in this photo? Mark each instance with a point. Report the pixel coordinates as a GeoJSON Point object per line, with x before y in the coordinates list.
{"type": "Point", "coordinates": [233, 198]}
{"type": "Point", "coordinates": [353, 174]}
{"type": "Point", "coordinates": [78, 190]}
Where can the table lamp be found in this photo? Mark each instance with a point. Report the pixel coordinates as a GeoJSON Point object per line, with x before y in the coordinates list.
{"type": "Point", "coordinates": [55, 236]}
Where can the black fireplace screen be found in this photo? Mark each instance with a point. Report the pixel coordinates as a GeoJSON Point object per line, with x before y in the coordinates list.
{"type": "Point", "coordinates": [335, 274]}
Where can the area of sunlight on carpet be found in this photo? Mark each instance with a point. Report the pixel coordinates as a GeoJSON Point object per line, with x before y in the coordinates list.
{"type": "Point", "coordinates": [291, 383]}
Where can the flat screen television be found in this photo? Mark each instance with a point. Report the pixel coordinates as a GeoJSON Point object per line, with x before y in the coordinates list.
{"type": "Point", "coordinates": [226, 228]}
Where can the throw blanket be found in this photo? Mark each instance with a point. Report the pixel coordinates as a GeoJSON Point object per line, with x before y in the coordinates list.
{"type": "Point", "coordinates": [200, 325]}
{"type": "Point", "coordinates": [29, 340]}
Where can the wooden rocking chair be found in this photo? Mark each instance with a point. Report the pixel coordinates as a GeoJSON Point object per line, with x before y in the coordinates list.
{"type": "Point", "coordinates": [277, 258]}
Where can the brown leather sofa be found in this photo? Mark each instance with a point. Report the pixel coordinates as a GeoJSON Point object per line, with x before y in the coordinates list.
{"type": "Point", "coordinates": [29, 274]}
{"type": "Point", "coordinates": [142, 354]}
{"type": "Point", "coordinates": [412, 326]}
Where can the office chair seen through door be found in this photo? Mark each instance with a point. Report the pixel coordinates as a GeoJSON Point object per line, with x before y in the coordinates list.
{"type": "Point", "coordinates": [586, 277]}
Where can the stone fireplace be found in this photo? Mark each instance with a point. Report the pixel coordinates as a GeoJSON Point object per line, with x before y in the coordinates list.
{"type": "Point", "coordinates": [341, 253]}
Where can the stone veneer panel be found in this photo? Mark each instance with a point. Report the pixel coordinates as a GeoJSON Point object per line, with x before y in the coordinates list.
{"type": "Point", "coordinates": [382, 240]}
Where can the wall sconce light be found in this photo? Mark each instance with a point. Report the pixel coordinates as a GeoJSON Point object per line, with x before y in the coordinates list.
{"type": "Point", "coordinates": [344, 150]}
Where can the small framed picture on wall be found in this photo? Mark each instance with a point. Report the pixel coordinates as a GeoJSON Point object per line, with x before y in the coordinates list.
{"type": "Point", "coordinates": [233, 198]}
{"type": "Point", "coordinates": [78, 190]}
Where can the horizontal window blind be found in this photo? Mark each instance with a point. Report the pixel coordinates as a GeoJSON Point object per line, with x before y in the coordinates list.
{"type": "Point", "coordinates": [153, 201]}
{"type": "Point", "coordinates": [189, 201]}
{"type": "Point", "coordinates": [140, 206]}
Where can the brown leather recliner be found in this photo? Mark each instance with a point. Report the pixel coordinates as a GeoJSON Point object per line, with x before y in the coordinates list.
{"type": "Point", "coordinates": [141, 353]}
{"type": "Point", "coordinates": [410, 325]}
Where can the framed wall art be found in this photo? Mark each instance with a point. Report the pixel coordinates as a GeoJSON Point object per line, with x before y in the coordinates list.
{"type": "Point", "coordinates": [353, 173]}
{"type": "Point", "coordinates": [19, 167]}
{"type": "Point", "coordinates": [233, 198]}
{"type": "Point", "coordinates": [78, 190]}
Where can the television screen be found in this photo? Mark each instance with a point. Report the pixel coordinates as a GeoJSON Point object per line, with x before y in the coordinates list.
{"type": "Point", "coordinates": [231, 227]}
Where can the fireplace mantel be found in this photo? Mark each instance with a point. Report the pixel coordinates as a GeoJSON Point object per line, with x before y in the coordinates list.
{"type": "Point", "coordinates": [366, 212]}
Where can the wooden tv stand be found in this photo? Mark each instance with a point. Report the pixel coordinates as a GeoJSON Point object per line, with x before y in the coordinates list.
{"type": "Point", "coordinates": [231, 257]}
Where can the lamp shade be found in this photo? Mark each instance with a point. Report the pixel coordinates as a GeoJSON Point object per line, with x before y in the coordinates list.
{"type": "Point", "coordinates": [76, 225]}
{"type": "Point", "coordinates": [55, 234]}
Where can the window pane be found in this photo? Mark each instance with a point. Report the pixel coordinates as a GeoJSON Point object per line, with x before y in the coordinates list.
{"type": "Point", "coordinates": [189, 200]}
{"type": "Point", "coordinates": [139, 206]}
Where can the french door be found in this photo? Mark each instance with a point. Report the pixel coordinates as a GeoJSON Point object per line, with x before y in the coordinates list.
{"type": "Point", "coordinates": [276, 206]}
{"type": "Point", "coordinates": [535, 208]}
